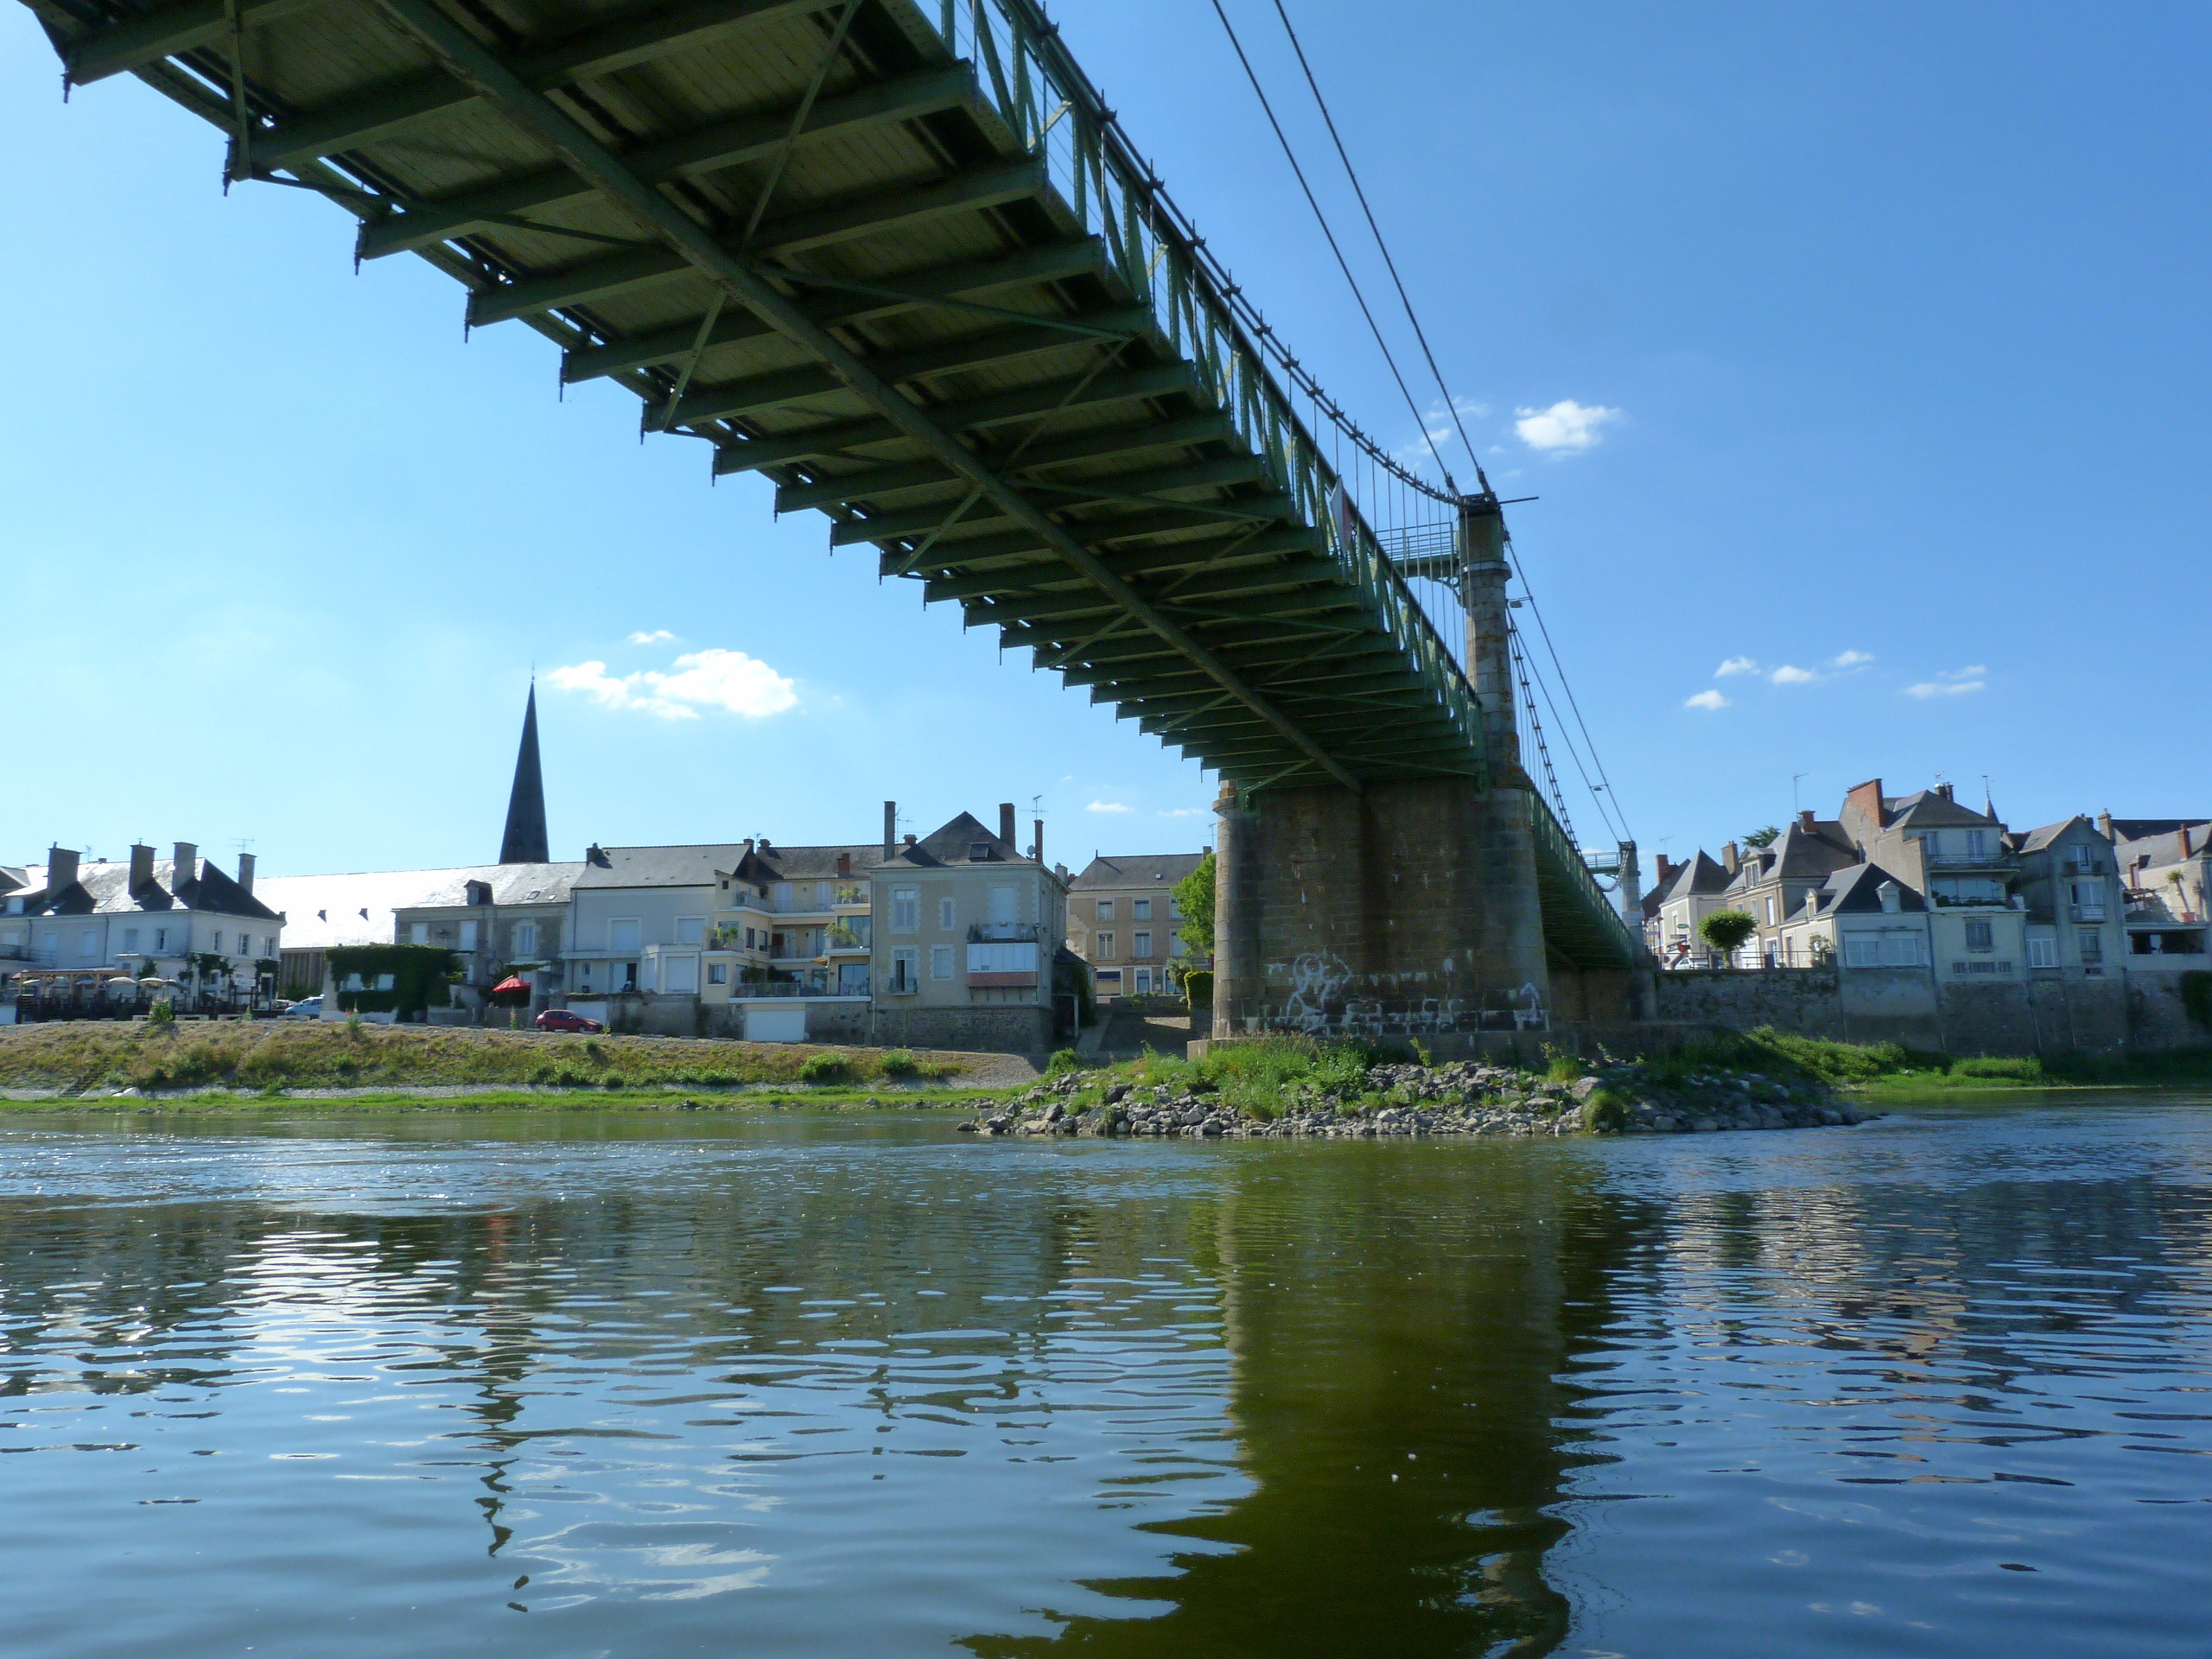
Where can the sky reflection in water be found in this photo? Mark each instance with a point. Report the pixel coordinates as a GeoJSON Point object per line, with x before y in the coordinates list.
{"type": "Point", "coordinates": [1935, 1385]}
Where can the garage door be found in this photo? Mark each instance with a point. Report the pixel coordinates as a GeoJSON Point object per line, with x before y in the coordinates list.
{"type": "Point", "coordinates": [775, 1025]}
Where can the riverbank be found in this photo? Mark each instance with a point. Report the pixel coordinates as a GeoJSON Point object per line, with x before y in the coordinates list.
{"type": "Point", "coordinates": [311, 1059]}
{"type": "Point", "coordinates": [1286, 1088]}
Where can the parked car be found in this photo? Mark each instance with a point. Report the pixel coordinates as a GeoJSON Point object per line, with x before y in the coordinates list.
{"type": "Point", "coordinates": [561, 1019]}
{"type": "Point", "coordinates": [308, 1007]}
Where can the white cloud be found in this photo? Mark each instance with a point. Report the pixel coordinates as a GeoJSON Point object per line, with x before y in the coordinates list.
{"type": "Point", "coordinates": [727, 680]}
{"type": "Point", "coordinates": [1108, 807]}
{"type": "Point", "coordinates": [1790, 674]}
{"type": "Point", "coordinates": [1848, 660]}
{"type": "Point", "coordinates": [653, 638]}
{"type": "Point", "coordinates": [1975, 672]}
{"type": "Point", "coordinates": [1943, 688]}
{"type": "Point", "coordinates": [1567, 428]}
{"type": "Point", "coordinates": [1705, 700]}
{"type": "Point", "coordinates": [1183, 812]}
{"type": "Point", "coordinates": [1736, 665]}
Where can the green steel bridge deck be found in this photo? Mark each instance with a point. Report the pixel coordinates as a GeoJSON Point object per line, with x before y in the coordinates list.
{"type": "Point", "coordinates": [899, 259]}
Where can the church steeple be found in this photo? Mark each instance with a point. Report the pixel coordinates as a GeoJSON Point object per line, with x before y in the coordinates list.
{"type": "Point", "coordinates": [524, 841]}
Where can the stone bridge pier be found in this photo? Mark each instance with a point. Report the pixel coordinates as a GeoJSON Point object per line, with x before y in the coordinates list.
{"type": "Point", "coordinates": [1409, 909]}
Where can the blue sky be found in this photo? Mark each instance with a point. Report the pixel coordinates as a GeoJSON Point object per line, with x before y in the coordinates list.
{"type": "Point", "coordinates": [1860, 351]}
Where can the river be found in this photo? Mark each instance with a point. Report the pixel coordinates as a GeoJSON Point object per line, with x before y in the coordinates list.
{"type": "Point", "coordinates": [780, 1384]}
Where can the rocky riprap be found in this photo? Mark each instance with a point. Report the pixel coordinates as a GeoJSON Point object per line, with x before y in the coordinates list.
{"type": "Point", "coordinates": [1459, 1099]}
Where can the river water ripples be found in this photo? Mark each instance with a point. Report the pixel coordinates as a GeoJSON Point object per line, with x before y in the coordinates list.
{"type": "Point", "coordinates": [1940, 1384]}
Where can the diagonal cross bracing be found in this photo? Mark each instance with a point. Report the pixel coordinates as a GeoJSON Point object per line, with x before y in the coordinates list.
{"type": "Point", "coordinates": [476, 67]}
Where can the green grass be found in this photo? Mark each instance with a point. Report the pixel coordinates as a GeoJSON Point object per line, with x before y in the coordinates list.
{"type": "Point", "coordinates": [1887, 1069]}
{"type": "Point", "coordinates": [278, 1054]}
{"type": "Point", "coordinates": [231, 1103]}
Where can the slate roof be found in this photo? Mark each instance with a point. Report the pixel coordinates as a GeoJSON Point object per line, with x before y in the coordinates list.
{"type": "Point", "coordinates": [1701, 875]}
{"type": "Point", "coordinates": [773, 863]}
{"type": "Point", "coordinates": [104, 889]}
{"type": "Point", "coordinates": [950, 844]}
{"type": "Point", "coordinates": [664, 867]}
{"type": "Point", "coordinates": [1800, 856]}
{"type": "Point", "coordinates": [2144, 829]}
{"type": "Point", "coordinates": [2036, 839]}
{"type": "Point", "coordinates": [1136, 870]}
{"type": "Point", "coordinates": [357, 907]}
{"type": "Point", "coordinates": [1858, 889]}
{"type": "Point", "coordinates": [1926, 809]}
{"type": "Point", "coordinates": [2163, 847]}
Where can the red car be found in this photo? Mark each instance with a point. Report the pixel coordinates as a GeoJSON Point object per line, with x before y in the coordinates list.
{"type": "Point", "coordinates": [561, 1019]}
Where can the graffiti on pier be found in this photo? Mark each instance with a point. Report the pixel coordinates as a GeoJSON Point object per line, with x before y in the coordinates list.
{"type": "Point", "coordinates": [1315, 979]}
{"type": "Point", "coordinates": [1317, 1005]}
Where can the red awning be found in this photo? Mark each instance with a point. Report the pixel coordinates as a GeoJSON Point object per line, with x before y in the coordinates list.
{"type": "Point", "coordinates": [512, 982]}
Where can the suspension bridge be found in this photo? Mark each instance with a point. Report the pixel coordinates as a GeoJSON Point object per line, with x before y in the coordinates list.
{"type": "Point", "coordinates": [898, 256]}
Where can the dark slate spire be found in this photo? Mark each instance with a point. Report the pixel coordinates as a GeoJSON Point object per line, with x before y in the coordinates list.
{"type": "Point", "coordinates": [524, 841]}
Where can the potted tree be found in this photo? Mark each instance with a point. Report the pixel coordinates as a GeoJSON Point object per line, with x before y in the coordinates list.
{"type": "Point", "coordinates": [1725, 932]}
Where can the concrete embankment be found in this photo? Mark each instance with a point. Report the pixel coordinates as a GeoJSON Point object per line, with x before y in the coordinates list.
{"type": "Point", "coordinates": [1459, 1099]}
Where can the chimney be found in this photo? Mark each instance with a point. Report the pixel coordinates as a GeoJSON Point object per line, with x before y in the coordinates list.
{"type": "Point", "coordinates": [1867, 799]}
{"type": "Point", "coordinates": [245, 873]}
{"type": "Point", "coordinates": [1663, 870]}
{"type": "Point", "coordinates": [909, 840]}
{"type": "Point", "coordinates": [187, 865]}
{"type": "Point", "coordinates": [142, 866]}
{"type": "Point", "coordinates": [1944, 790]}
{"type": "Point", "coordinates": [890, 831]}
{"type": "Point", "coordinates": [61, 869]}
{"type": "Point", "coordinates": [1037, 851]}
{"type": "Point", "coordinates": [1005, 823]}
{"type": "Point", "coordinates": [2104, 824]}
{"type": "Point", "coordinates": [844, 863]}
{"type": "Point", "coordinates": [1729, 857]}
{"type": "Point", "coordinates": [1805, 820]}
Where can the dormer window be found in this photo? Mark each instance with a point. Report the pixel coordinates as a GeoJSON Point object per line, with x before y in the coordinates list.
{"type": "Point", "coordinates": [978, 851]}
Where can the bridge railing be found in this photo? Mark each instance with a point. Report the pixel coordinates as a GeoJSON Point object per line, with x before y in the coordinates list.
{"type": "Point", "coordinates": [1556, 851]}
{"type": "Point", "coordinates": [1041, 94]}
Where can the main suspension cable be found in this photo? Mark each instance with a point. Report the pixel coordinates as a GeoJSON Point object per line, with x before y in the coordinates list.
{"type": "Point", "coordinates": [1322, 219]}
{"type": "Point", "coordinates": [1450, 403]}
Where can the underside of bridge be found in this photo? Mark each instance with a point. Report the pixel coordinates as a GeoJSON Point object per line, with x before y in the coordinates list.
{"type": "Point", "coordinates": [900, 259]}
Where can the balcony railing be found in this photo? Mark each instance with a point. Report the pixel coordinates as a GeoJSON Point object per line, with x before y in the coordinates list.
{"type": "Point", "coordinates": [1003, 932]}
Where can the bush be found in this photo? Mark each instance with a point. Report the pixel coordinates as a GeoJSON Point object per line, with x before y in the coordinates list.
{"type": "Point", "coordinates": [824, 1068]}
{"type": "Point", "coordinates": [2028, 1070]}
{"type": "Point", "coordinates": [163, 1012]}
{"type": "Point", "coordinates": [898, 1063]}
{"type": "Point", "coordinates": [1063, 1061]}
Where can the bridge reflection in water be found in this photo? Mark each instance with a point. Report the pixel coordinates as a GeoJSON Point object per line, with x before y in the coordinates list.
{"type": "Point", "coordinates": [808, 1386]}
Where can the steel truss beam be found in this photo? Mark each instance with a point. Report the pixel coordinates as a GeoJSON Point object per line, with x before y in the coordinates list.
{"type": "Point", "coordinates": [1186, 516]}
{"type": "Point", "coordinates": [482, 70]}
{"type": "Point", "coordinates": [924, 288]}
{"type": "Point", "coordinates": [878, 484]}
{"type": "Point", "coordinates": [731, 143]}
{"type": "Point", "coordinates": [738, 397]}
{"type": "Point", "coordinates": [595, 279]}
{"type": "Point", "coordinates": [134, 42]}
{"type": "Point", "coordinates": [599, 50]}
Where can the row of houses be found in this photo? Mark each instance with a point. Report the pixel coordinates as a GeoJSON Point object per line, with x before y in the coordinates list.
{"type": "Point", "coordinates": [962, 938]}
{"type": "Point", "coordinates": [1920, 890]}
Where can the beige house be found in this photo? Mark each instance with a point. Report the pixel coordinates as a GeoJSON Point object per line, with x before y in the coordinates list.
{"type": "Point", "coordinates": [966, 932]}
{"type": "Point", "coordinates": [1123, 920]}
{"type": "Point", "coordinates": [501, 919]}
{"type": "Point", "coordinates": [792, 921]}
{"type": "Point", "coordinates": [1687, 894]}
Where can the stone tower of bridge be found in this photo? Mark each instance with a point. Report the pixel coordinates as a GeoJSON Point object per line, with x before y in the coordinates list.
{"type": "Point", "coordinates": [1409, 909]}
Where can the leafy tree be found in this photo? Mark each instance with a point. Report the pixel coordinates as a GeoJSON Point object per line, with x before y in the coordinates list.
{"type": "Point", "coordinates": [1763, 837]}
{"type": "Point", "coordinates": [1194, 898]}
{"type": "Point", "coordinates": [1726, 930]}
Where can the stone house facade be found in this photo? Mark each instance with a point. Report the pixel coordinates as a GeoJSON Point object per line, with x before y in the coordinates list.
{"type": "Point", "coordinates": [1123, 920]}
{"type": "Point", "coordinates": [72, 917]}
{"type": "Point", "coordinates": [498, 918]}
{"type": "Point", "coordinates": [966, 936]}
